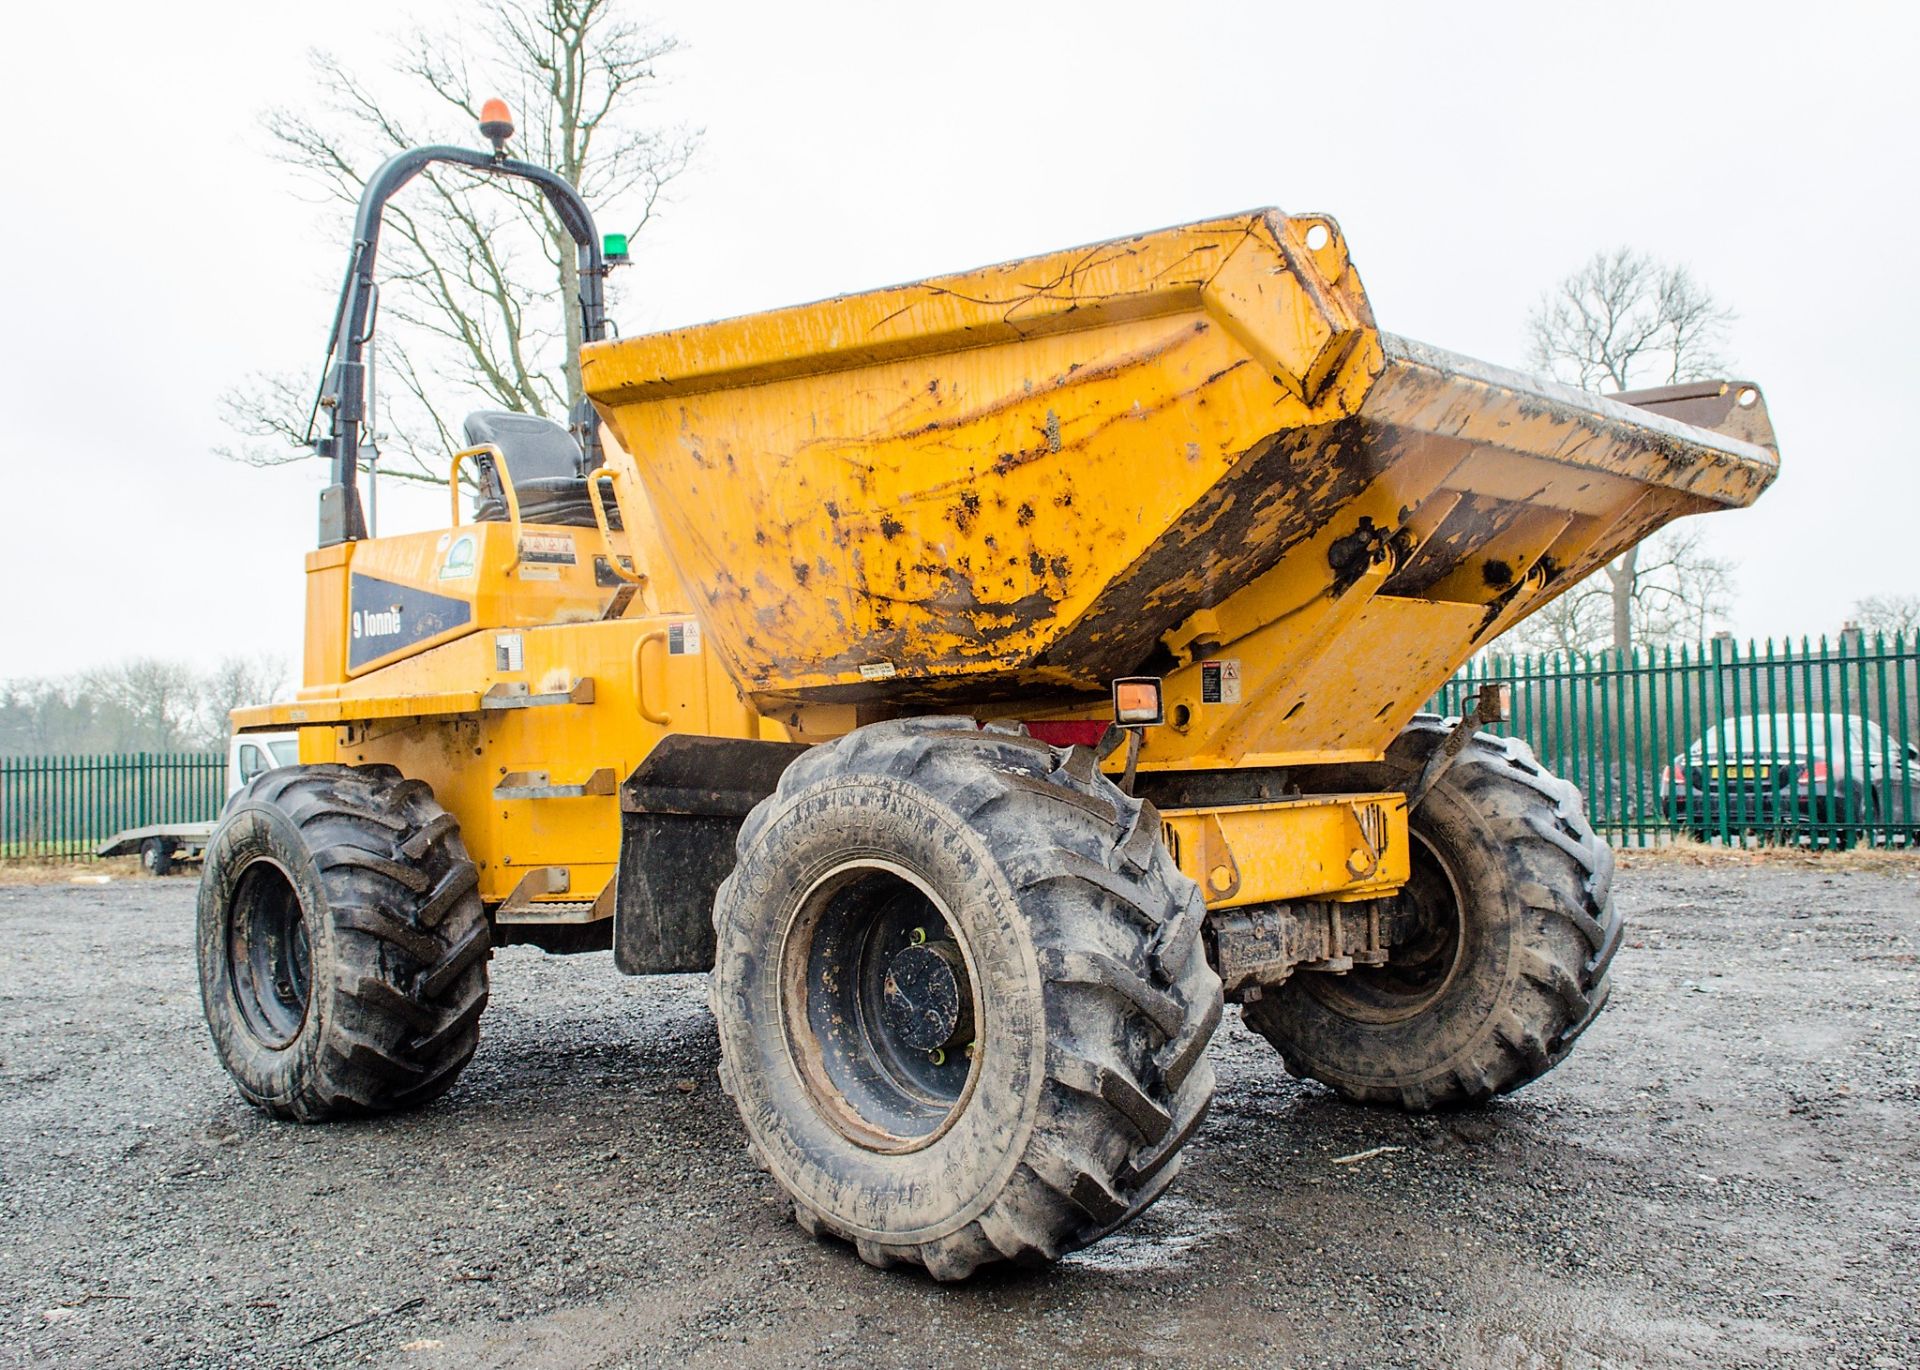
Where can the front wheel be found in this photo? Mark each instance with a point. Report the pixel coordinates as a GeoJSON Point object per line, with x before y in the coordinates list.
{"type": "Point", "coordinates": [962, 999]}
{"type": "Point", "coordinates": [1514, 929]}
{"type": "Point", "coordinates": [342, 943]}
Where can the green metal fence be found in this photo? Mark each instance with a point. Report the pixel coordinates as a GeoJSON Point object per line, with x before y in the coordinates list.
{"type": "Point", "coordinates": [1810, 744]}
{"type": "Point", "coordinates": [54, 807]}
{"type": "Point", "coordinates": [1815, 743]}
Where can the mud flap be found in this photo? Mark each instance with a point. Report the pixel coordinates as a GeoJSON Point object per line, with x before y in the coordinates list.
{"type": "Point", "coordinates": [680, 812]}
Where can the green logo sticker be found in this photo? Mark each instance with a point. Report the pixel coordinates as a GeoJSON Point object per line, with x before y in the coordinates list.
{"type": "Point", "coordinates": [459, 562]}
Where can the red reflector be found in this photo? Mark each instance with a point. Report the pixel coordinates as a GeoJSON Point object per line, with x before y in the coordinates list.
{"type": "Point", "coordinates": [1068, 732]}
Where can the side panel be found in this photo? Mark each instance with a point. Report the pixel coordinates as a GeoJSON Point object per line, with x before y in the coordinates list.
{"type": "Point", "coordinates": [564, 707]}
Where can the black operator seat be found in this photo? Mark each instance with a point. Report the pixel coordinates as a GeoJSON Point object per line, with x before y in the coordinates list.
{"type": "Point", "coordinates": [543, 461]}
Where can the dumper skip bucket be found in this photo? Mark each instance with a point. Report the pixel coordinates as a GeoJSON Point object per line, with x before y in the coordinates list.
{"type": "Point", "coordinates": [1026, 480]}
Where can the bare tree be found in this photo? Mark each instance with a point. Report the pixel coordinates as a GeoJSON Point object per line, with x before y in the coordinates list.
{"type": "Point", "coordinates": [481, 324]}
{"type": "Point", "coordinates": [234, 684]}
{"type": "Point", "coordinates": [136, 705]}
{"type": "Point", "coordinates": [145, 704]}
{"type": "Point", "coordinates": [1888, 613]}
{"type": "Point", "coordinates": [40, 717]}
{"type": "Point", "coordinates": [1619, 322]}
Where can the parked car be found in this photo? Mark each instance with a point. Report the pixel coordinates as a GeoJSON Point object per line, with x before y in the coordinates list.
{"type": "Point", "coordinates": [1832, 778]}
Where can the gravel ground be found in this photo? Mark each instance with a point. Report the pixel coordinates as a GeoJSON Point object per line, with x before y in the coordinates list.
{"type": "Point", "coordinates": [1727, 1172]}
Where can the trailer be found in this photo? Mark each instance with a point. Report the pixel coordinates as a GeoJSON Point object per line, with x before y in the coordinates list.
{"type": "Point", "coordinates": [162, 846]}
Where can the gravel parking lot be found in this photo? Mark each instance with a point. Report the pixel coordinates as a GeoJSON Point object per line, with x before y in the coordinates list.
{"type": "Point", "coordinates": [1727, 1172]}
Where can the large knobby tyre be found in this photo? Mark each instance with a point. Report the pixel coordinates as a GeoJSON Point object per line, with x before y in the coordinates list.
{"type": "Point", "coordinates": [962, 998]}
{"type": "Point", "coordinates": [1515, 929]}
{"type": "Point", "coordinates": [342, 942]}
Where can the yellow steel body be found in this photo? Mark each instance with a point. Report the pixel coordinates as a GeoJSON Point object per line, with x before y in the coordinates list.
{"type": "Point", "coordinates": [590, 697]}
{"type": "Point", "coordinates": [1326, 846]}
{"type": "Point", "coordinates": [537, 682]}
{"type": "Point", "coordinates": [1013, 485]}
{"type": "Point", "coordinates": [1188, 454]}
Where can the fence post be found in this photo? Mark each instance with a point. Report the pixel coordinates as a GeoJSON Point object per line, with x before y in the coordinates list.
{"type": "Point", "coordinates": [1659, 740]}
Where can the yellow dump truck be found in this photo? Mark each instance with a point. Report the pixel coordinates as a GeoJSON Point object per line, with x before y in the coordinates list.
{"type": "Point", "coordinates": [985, 679]}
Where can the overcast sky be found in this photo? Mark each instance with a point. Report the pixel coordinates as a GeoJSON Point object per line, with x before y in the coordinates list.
{"type": "Point", "coordinates": [1473, 154]}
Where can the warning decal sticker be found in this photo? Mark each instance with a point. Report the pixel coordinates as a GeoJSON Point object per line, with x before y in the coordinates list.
{"type": "Point", "coordinates": [1220, 681]}
{"type": "Point", "coordinates": [553, 549]}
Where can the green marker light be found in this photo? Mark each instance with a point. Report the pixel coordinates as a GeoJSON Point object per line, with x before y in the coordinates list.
{"type": "Point", "coordinates": [615, 248]}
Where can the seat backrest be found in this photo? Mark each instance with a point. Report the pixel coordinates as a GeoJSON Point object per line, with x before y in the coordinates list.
{"type": "Point", "coordinates": [543, 461]}
{"type": "Point", "coordinates": [534, 448]}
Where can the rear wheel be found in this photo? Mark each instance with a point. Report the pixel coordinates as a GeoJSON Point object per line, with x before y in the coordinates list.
{"type": "Point", "coordinates": [1851, 822]}
{"type": "Point", "coordinates": [962, 1000]}
{"type": "Point", "coordinates": [1514, 929]}
{"type": "Point", "coordinates": [342, 943]}
{"type": "Point", "coordinates": [156, 856]}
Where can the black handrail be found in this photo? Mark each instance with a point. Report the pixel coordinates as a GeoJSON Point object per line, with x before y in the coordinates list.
{"type": "Point", "coordinates": [344, 394]}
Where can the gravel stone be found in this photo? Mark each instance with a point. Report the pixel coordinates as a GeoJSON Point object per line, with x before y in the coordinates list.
{"type": "Point", "coordinates": [1723, 1174]}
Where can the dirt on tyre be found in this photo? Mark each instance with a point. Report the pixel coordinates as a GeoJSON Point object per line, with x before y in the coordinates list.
{"type": "Point", "coordinates": [962, 999]}
{"type": "Point", "coordinates": [1516, 926]}
{"type": "Point", "coordinates": [342, 943]}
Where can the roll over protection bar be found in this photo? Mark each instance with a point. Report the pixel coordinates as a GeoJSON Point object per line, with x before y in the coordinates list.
{"type": "Point", "coordinates": [343, 394]}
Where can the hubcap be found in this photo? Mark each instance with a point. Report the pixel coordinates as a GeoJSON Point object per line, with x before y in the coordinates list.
{"type": "Point", "coordinates": [928, 1002]}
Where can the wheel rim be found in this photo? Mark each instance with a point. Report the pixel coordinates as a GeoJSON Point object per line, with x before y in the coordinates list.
{"type": "Point", "coordinates": [878, 1005]}
{"type": "Point", "coordinates": [1419, 968]}
{"type": "Point", "coordinates": [268, 954]}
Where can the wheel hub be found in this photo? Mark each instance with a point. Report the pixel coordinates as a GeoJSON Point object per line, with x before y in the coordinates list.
{"type": "Point", "coordinates": [928, 1003]}
{"type": "Point", "coordinates": [270, 958]}
{"type": "Point", "coordinates": [878, 1003]}
{"type": "Point", "coordinates": [1426, 956]}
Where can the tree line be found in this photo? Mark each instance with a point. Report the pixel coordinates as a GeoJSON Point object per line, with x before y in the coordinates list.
{"type": "Point", "coordinates": [141, 705]}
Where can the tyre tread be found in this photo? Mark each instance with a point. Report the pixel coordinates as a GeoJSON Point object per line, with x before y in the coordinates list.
{"type": "Point", "coordinates": [1561, 872]}
{"type": "Point", "coordinates": [1069, 841]}
{"type": "Point", "coordinates": [410, 939]}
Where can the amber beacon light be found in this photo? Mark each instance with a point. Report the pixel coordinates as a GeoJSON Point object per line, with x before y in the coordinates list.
{"type": "Point", "coordinates": [496, 124]}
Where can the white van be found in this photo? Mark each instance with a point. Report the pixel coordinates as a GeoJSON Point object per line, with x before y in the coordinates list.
{"type": "Point", "coordinates": [162, 845]}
